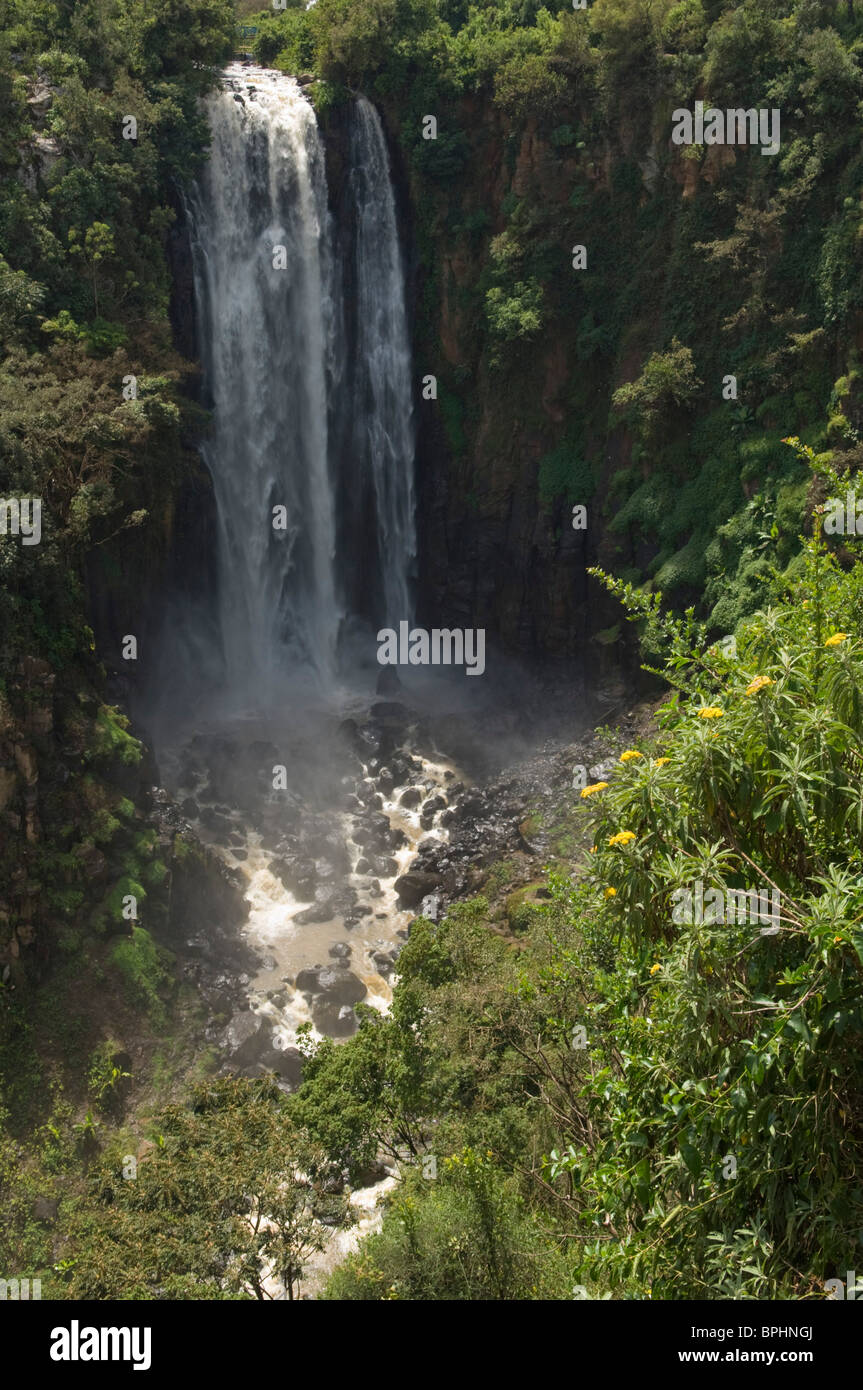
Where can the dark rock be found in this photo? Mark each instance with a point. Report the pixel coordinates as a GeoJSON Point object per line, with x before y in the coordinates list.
{"type": "Point", "coordinates": [413, 886]}
{"type": "Point", "coordinates": [339, 985]}
{"type": "Point", "coordinates": [286, 1062]}
{"type": "Point", "coordinates": [336, 1020]}
{"type": "Point", "coordinates": [246, 1036]}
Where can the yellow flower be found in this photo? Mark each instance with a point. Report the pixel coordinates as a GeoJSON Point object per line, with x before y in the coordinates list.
{"type": "Point", "coordinates": [835, 640]}
{"type": "Point", "coordinates": [760, 683]}
{"type": "Point", "coordinates": [660, 762]}
{"type": "Point", "coordinates": [596, 787]}
{"type": "Point", "coordinates": [654, 969]}
{"type": "Point", "coordinates": [593, 849]}
{"type": "Point", "coordinates": [612, 893]}
{"type": "Point", "coordinates": [630, 753]}
{"type": "Point", "coordinates": [836, 940]}
{"type": "Point", "coordinates": [710, 712]}
{"type": "Point", "coordinates": [622, 837]}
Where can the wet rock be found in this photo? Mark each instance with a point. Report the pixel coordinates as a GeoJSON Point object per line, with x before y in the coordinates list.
{"type": "Point", "coordinates": [355, 737]}
{"type": "Point", "coordinates": [246, 1036]}
{"type": "Point", "coordinates": [378, 836]}
{"type": "Point", "coordinates": [410, 798]}
{"type": "Point", "coordinates": [340, 986]}
{"type": "Point", "coordinates": [413, 886]}
{"type": "Point", "coordinates": [329, 902]}
{"type": "Point", "coordinates": [212, 820]}
{"type": "Point", "coordinates": [297, 875]}
{"type": "Point", "coordinates": [384, 868]}
{"type": "Point", "coordinates": [341, 950]}
{"type": "Point", "coordinates": [286, 1062]}
{"type": "Point", "coordinates": [372, 1172]}
{"type": "Point", "coordinates": [337, 1021]}
{"type": "Point", "coordinates": [385, 962]}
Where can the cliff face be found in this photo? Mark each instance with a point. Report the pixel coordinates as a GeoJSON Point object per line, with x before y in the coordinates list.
{"type": "Point", "coordinates": [552, 266]}
{"type": "Point", "coordinates": [498, 546]}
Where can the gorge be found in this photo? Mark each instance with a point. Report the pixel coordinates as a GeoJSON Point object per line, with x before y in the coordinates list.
{"type": "Point", "coordinates": [346, 352]}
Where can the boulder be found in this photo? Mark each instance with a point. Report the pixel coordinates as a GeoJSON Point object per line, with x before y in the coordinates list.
{"type": "Point", "coordinates": [246, 1037]}
{"type": "Point", "coordinates": [336, 1020]}
{"type": "Point", "coordinates": [340, 986]}
{"type": "Point", "coordinates": [415, 885]}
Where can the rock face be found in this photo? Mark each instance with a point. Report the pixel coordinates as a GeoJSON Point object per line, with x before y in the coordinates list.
{"type": "Point", "coordinates": [497, 545]}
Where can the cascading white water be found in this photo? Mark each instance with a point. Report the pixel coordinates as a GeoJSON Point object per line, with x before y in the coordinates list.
{"type": "Point", "coordinates": [307, 415]}
{"type": "Point", "coordinates": [384, 428]}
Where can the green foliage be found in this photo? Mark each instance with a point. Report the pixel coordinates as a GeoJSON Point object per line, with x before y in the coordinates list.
{"type": "Point", "coordinates": [465, 1234]}
{"type": "Point", "coordinates": [111, 739]}
{"type": "Point", "coordinates": [563, 472]}
{"type": "Point", "coordinates": [668, 379]}
{"type": "Point", "coordinates": [107, 1076]}
{"type": "Point", "coordinates": [514, 317]}
{"type": "Point", "coordinates": [140, 962]}
{"type": "Point", "coordinates": [191, 1224]}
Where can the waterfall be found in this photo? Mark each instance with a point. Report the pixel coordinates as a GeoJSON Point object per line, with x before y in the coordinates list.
{"type": "Point", "coordinates": [310, 395]}
{"type": "Point", "coordinates": [383, 426]}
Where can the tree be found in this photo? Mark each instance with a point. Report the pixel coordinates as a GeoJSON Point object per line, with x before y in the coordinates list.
{"type": "Point", "coordinates": [230, 1198]}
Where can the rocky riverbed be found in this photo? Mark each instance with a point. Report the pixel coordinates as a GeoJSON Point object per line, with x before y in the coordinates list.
{"type": "Point", "coordinates": [334, 835]}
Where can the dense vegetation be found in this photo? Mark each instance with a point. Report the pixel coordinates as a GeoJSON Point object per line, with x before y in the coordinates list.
{"type": "Point", "coordinates": [604, 1098]}
{"type": "Point", "coordinates": [612, 1099]}
{"type": "Point", "coordinates": [633, 1104]}
{"type": "Point", "coordinates": [91, 422]}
